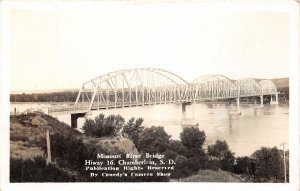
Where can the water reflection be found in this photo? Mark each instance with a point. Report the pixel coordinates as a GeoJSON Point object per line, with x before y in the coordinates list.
{"type": "Point", "coordinates": [230, 124]}
{"type": "Point", "coordinates": [210, 105]}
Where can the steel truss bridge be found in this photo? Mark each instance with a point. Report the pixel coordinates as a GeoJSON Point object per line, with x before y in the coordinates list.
{"type": "Point", "coordinates": [149, 86]}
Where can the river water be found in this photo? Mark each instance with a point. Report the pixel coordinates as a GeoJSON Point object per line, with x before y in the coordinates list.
{"type": "Point", "coordinates": [244, 133]}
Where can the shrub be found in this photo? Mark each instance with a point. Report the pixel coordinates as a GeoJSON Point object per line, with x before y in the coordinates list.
{"type": "Point", "coordinates": [181, 168]}
{"type": "Point", "coordinates": [37, 171]}
{"type": "Point", "coordinates": [68, 151]}
{"type": "Point", "coordinates": [103, 126]}
{"type": "Point", "coordinates": [193, 138]}
{"type": "Point", "coordinates": [213, 164]}
{"type": "Point", "coordinates": [153, 140]}
{"type": "Point", "coordinates": [132, 129]}
{"type": "Point", "coordinates": [245, 165]}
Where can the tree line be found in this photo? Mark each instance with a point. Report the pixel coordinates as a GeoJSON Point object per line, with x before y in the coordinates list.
{"type": "Point", "coordinates": [45, 97]}
{"type": "Point", "coordinates": [70, 96]}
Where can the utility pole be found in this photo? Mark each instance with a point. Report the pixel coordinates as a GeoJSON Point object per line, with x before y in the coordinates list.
{"type": "Point", "coordinates": [282, 144]}
{"type": "Point", "coordinates": [48, 147]}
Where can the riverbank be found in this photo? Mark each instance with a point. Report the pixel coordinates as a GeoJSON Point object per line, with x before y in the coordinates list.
{"type": "Point", "coordinates": [70, 149]}
{"type": "Point", "coordinates": [28, 145]}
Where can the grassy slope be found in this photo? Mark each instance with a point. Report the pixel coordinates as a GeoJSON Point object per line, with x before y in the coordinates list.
{"type": "Point", "coordinates": [212, 176]}
{"type": "Point", "coordinates": [27, 136]}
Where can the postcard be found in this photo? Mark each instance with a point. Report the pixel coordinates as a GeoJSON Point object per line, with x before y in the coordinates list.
{"type": "Point", "coordinates": [144, 95]}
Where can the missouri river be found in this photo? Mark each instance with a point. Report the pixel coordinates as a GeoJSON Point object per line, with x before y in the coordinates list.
{"type": "Point", "coordinates": [244, 133]}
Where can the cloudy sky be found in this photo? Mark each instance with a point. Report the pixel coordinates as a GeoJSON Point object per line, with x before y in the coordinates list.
{"type": "Point", "coordinates": [58, 49]}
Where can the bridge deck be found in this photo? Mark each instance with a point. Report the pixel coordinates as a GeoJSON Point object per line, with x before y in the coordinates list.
{"type": "Point", "coordinates": [82, 109]}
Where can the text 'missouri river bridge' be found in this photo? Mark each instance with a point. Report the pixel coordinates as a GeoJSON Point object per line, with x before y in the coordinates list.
{"type": "Point", "coordinates": [150, 86]}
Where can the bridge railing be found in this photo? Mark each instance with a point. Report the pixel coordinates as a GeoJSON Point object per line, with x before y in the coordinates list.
{"type": "Point", "coordinates": [66, 110]}
{"type": "Point", "coordinates": [110, 105]}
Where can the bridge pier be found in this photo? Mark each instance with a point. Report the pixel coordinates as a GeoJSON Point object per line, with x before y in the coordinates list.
{"type": "Point", "coordinates": [183, 108]}
{"type": "Point", "coordinates": [261, 101]}
{"type": "Point", "coordinates": [185, 121]}
{"type": "Point", "coordinates": [275, 102]}
{"type": "Point", "coordinates": [238, 105]}
{"type": "Point", "coordinates": [260, 106]}
{"type": "Point", "coordinates": [75, 116]}
{"type": "Point", "coordinates": [236, 111]}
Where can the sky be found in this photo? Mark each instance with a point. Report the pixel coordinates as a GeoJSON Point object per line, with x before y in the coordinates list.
{"type": "Point", "coordinates": [62, 49]}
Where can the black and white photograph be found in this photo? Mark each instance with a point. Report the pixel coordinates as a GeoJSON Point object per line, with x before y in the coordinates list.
{"type": "Point", "coordinates": [172, 94]}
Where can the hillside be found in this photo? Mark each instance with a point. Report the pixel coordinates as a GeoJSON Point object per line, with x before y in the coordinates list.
{"type": "Point", "coordinates": [281, 82]}
{"type": "Point", "coordinates": [28, 140]}
{"type": "Point", "coordinates": [282, 85]}
{"type": "Point", "coordinates": [69, 149]}
{"type": "Point", "coordinates": [27, 134]}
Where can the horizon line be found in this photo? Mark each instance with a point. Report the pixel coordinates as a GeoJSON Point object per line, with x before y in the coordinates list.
{"type": "Point", "coordinates": [54, 90]}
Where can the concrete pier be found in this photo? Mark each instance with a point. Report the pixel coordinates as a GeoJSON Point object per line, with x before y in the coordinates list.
{"type": "Point", "coordinates": [185, 121]}
{"type": "Point", "coordinates": [236, 110]}
{"type": "Point", "coordinates": [238, 105]}
{"type": "Point", "coordinates": [261, 101]}
{"type": "Point", "coordinates": [274, 102]}
{"type": "Point", "coordinates": [74, 117]}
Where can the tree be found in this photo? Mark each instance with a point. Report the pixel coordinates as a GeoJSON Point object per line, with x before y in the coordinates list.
{"type": "Point", "coordinates": [221, 150]}
{"type": "Point", "coordinates": [213, 164]}
{"type": "Point", "coordinates": [181, 167]}
{"type": "Point", "coordinates": [194, 163]}
{"type": "Point", "coordinates": [244, 165]}
{"type": "Point", "coordinates": [177, 147]}
{"type": "Point", "coordinates": [104, 126]}
{"type": "Point", "coordinates": [193, 138]}
{"type": "Point", "coordinates": [111, 125]}
{"type": "Point", "coordinates": [36, 170]}
{"type": "Point", "coordinates": [269, 164]}
{"type": "Point", "coordinates": [218, 149]}
{"type": "Point", "coordinates": [68, 150]}
{"type": "Point", "coordinates": [153, 140]}
{"type": "Point", "coordinates": [132, 129]}
{"type": "Point", "coordinates": [228, 161]}
{"type": "Point", "coordinates": [89, 127]}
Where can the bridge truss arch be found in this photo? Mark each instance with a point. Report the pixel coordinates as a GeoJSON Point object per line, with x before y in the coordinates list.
{"type": "Point", "coordinates": [213, 87]}
{"type": "Point", "coordinates": [268, 87]}
{"type": "Point", "coordinates": [248, 87]}
{"type": "Point", "coordinates": [132, 87]}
